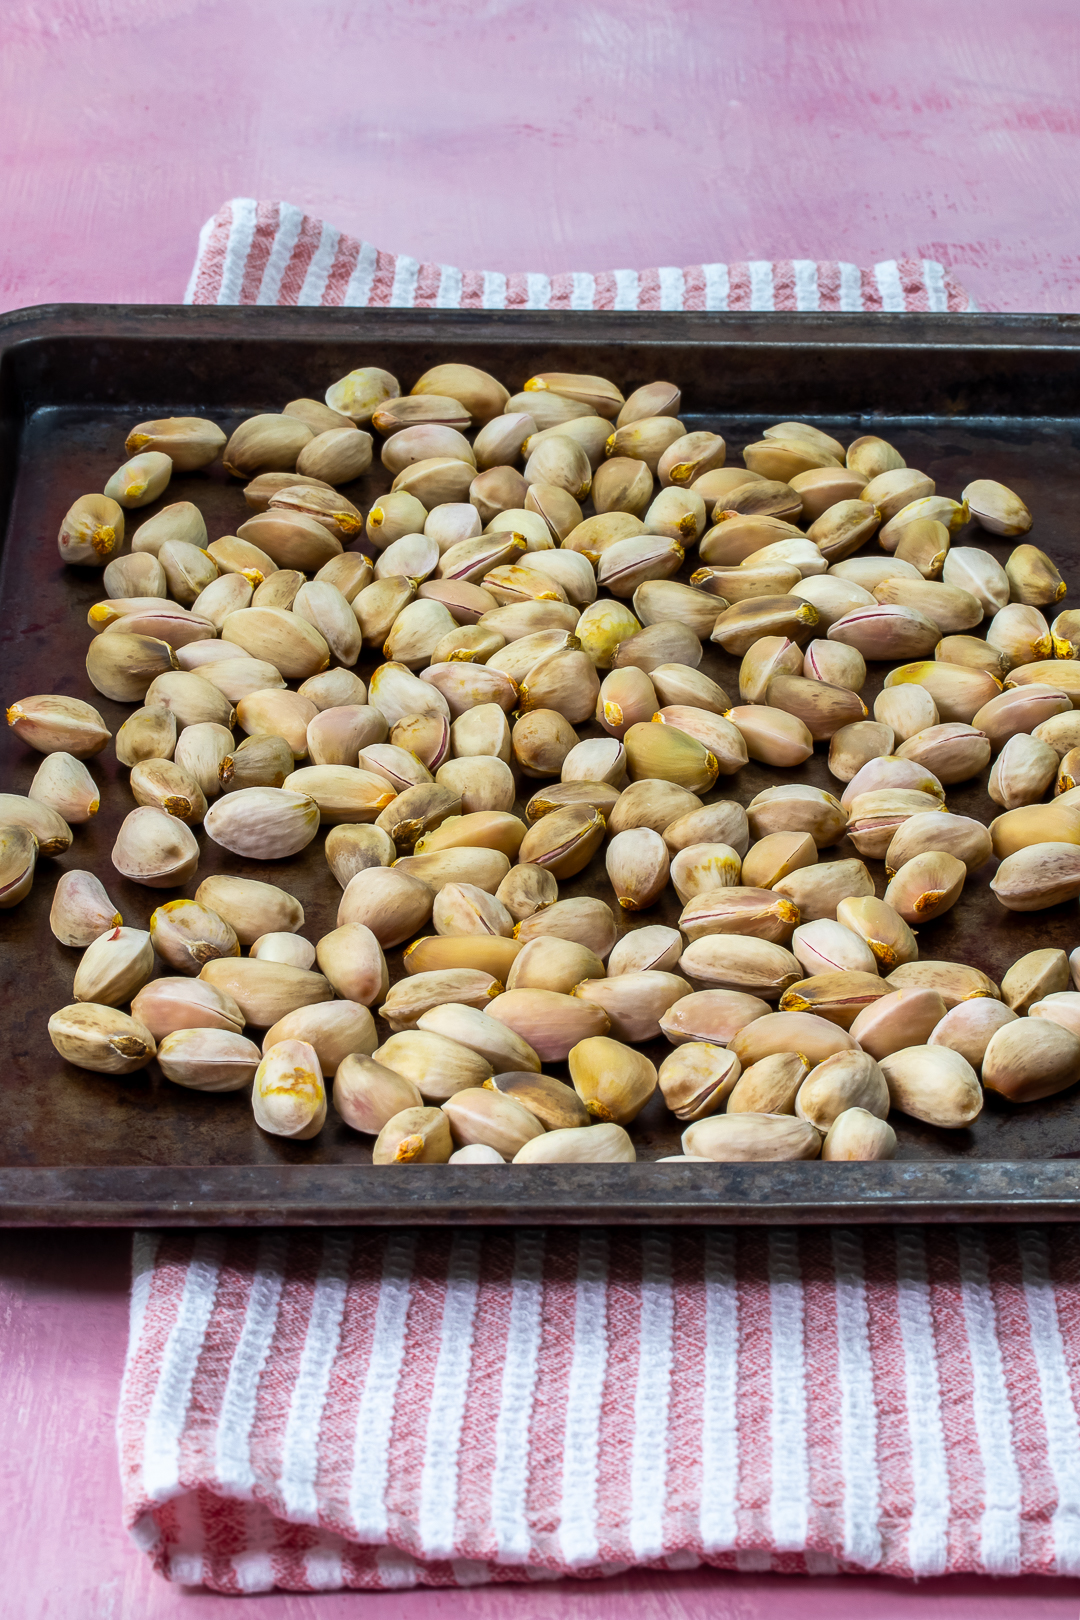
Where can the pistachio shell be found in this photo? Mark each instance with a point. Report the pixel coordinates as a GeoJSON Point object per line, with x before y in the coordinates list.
{"type": "Point", "coordinates": [81, 910]}
{"type": "Point", "coordinates": [600, 1144]}
{"type": "Point", "coordinates": [634, 1003]}
{"type": "Point", "coordinates": [249, 907]}
{"type": "Point", "coordinates": [186, 934]}
{"type": "Point", "coordinates": [549, 1022]}
{"type": "Point", "coordinates": [165, 1005]}
{"type": "Point", "coordinates": [612, 1080]}
{"type": "Point", "coordinates": [288, 1097]}
{"type": "Point", "coordinates": [265, 991]}
{"type": "Point", "coordinates": [101, 1038]}
{"type": "Point", "coordinates": [715, 1016]}
{"type": "Point", "coordinates": [736, 1138]}
{"type": "Point", "coordinates": [584, 920]}
{"type": "Point", "coordinates": [902, 1018]}
{"type": "Point", "coordinates": [935, 1084]}
{"type": "Point", "coordinates": [155, 849]}
{"type": "Point", "coordinates": [355, 847]}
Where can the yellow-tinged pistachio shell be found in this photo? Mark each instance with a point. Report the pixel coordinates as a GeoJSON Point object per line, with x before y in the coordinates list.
{"type": "Point", "coordinates": [698, 1078]}
{"type": "Point", "coordinates": [435, 1064]}
{"type": "Point", "coordinates": [666, 753]}
{"type": "Point", "coordinates": [1033, 577]}
{"type": "Point", "coordinates": [565, 840]}
{"type": "Point", "coordinates": [399, 767]}
{"type": "Point", "coordinates": [140, 480]}
{"type": "Point", "coordinates": [1033, 976]}
{"type": "Point", "coordinates": [628, 564]}
{"type": "Point", "coordinates": [753, 913]}
{"type": "Point", "coordinates": [319, 417]}
{"type": "Point", "coordinates": [973, 653]}
{"type": "Point", "coordinates": [958, 693]}
{"type": "Point", "coordinates": [818, 889]}
{"type": "Point", "coordinates": [926, 886]}
{"type": "Point", "coordinates": [415, 1136]}
{"type": "Point", "coordinates": [288, 1097]}
{"type": "Point", "coordinates": [378, 605]}
{"type": "Point", "coordinates": [902, 1018]}
{"type": "Point", "coordinates": [92, 530]}
{"type": "Point", "coordinates": [600, 395]}
{"type": "Point", "coordinates": [699, 868]}
{"type": "Point", "coordinates": [660, 646]}
{"type": "Point", "coordinates": [769, 1086]}
{"type": "Point", "coordinates": [556, 1106]}
{"type": "Point", "coordinates": [279, 591]}
{"type": "Point", "coordinates": [839, 996]}
{"type": "Point", "coordinates": [482, 866]}
{"type": "Point", "coordinates": [906, 710]}
{"type": "Point", "coordinates": [948, 607]}
{"type": "Point", "coordinates": [738, 1138]}
{"type": "Point", "coordinates": [283, 639]}
{"type": "Point", "coordinates": [389, 901]}
{"type": "Point", "coordinates": [689, 458]}
{"type": "Point", "coordinates": [368, 1095]}
{"type": "Point", "coordinates": [486, 953]}
{"type": "Point", "coordinates": [1025, 1064]}
{"type": "Point", "coordinates": [952, 515]}
{"type": "Point", "coordinates": [1021, 634]}
{"type": "Point", "coordinates": [266, 443]}
{"type": "Point", "coordinates": [187, 934]}
{"type": "Point", "coordinates": [337, 455]}
{"type": "Point", "coordinates": [265, 992]}
{"type": "Point", "coordinates": [925, 544]}
{"type": "Point", "coordinates": [874, 817]}
{"type": "Point", "coordinates": [101, 1038]}
{"type": "Point", "coordinates": [870, 456]}
{"type": "Point", "coordinates": [163, 783]}
{"type": "Point", "coordinates": [625, 698]}
{"type": "Point", "coordinates": [359, 394]}
{"type": "Point", "coordinates": [612, 1079]}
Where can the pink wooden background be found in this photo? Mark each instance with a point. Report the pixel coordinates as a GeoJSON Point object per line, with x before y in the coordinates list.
{"type": "Point", "coordinates": [498, 134]}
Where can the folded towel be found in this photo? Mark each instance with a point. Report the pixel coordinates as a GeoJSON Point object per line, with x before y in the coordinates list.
{"type": "Point", "coordinates": [365, 1409]}
{"type": "Point", "coordinates": [272, 253]}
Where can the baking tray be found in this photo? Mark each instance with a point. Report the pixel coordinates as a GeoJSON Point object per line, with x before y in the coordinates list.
{"type": "Point", "coordinates": [960, 396]}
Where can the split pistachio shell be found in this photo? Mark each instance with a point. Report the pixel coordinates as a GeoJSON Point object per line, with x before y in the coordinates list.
{"type": "Point", "coordinates": [888, 631]}
{"type": "Point", "coordinates": [81, 910]}
{"type": "Point", "coordinates": [738, 962]}
{"type": "Point", "coordinates": [956, 981]}
{"type": "Point", "coordinates": [836, 665]}
{"type": "Point", "coordinates": [613, 1080]}
{"type": "Point", "coordinates": [874, 817]}
{"type": "Point", "coordinates": [1025, 1061]}
{"type": "Point", "coordinates": [698, 1078]}
{"type": "Point", "coordinates": [565, 840]}
{"type": "Point", "coordinates": [856, 745]}
{"type": "Point", "coordinates": [288, 1097]}
{"type": "Point", "coordinates": [114, 967]}
{"type": "Point", "coordinates": [715, 1016]}
{"type": "Point", "coordinates": [549, 1022]}
{"type": "Point", "coordinates": [101, 1038]}
{"type": "Point", "coordinates": [486, 953]}
{"type": "Point", "coordinates": [288, 948]}
{"type": "Point", "coordinates": [154, 848]}
{"type": "Point", "coordinates": [479, 1116]}
{"type": "Point", "coordinates": [857, 1134]}
{"type": "Point", "coordinates": [737, 1138]}
{"type": "Point", "coordinates": [845, 1080]}
{"type": "Point", "coordinates": [772, 735]}
{"type": "Point", "coordinates": [925, 544]}
{"type": "Point", "coordinates": [738, 584]}
{"type": "Point", "coordinates": [1020, 634]}
{"type": "Point", "coordinates": [702, 867]}
{"type": "Point", "coordinates": [169, 1004]}
{"type": "Point", "coordinates": [393, 904]}
{"type": "Point", "coordinates": [556, 1106]}
{"type": "Point", "coordinates": [1033, 976]}
{"type": "Point", "coordinates": [826, 946]}
{"type": "Point", "coordinates": [279, 591]}
{"type": "Point", "coordinates": [265, 991]}
{"type": "Point", "coordinates": [250, 908]}
{"type": "Point", "coordinates": [755, 913]}
{"type": "Point", "coordinates": [953, 752]}
{"type": "Point", "coordinates": [214, 1060]}
{"type": "Point", "coordinates": [1062, 1007]}
{"type": "Point", "coordinates": [353, 847]}
{"type": "Point", "coordinates": [497, 1044]}
{"type": "Point", "coordinates": [651, 803]}
{"type": "Point", "coordinates": [411, 997]}
{"type": "Point", "coordinates": [527, 889]}
{"type": "Point", "coordinates": [797, 808]}
{"type": "Point", "coordinates": [333, 1028]}
{"type": "Point", "coordinates": [769, 1086]}
{"type": "Point", "coordinates": [1033, 577]}
{"type": "Point", "coordinates": [186, 935]}
{"type": "Point", "coordinates": [838, 996]}
{"type": "Point", "coordinates": [902, 1018]}
{"type": "Point", "coordinates": [816, 1038]}
{"type": "Point", "coordinates": [961, 836]}
{"type": "Point", "coordinates": [335, 736]}
{"type": "Point", "coordinates": [600, 1144]}
{"type": "Point", "coordinates": [163, 783]}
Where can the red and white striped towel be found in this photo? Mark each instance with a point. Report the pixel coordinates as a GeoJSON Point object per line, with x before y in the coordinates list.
{"type": "Point", "coordinates": [372, 1410]}
{"type": "Point", "coordinates": [272, 253]}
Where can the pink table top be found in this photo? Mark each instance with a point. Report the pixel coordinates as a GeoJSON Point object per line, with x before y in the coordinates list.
{"type": "Point", "coordinates": [507, 137]}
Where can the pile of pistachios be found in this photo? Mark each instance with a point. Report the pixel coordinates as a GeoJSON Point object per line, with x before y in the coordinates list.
{"type": "Point", "coordinates": [795, 1002]}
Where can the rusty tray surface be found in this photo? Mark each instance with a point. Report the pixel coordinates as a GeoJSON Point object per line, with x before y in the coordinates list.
{"type": "Point", "coordinates": [961, 397]}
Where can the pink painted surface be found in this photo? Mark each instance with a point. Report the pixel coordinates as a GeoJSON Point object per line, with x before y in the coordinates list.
{"type": "Point", "coordinates": [614, 133]}
{"type": "Point", "coordinates": [514, 136]}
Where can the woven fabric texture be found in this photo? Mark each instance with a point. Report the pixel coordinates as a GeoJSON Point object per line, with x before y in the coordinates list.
{"type": "Point", "coordinates": [272, 253]}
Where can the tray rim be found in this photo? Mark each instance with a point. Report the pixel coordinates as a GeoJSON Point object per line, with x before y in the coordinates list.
{"type": "Point", "coordinates": [969, 1190]}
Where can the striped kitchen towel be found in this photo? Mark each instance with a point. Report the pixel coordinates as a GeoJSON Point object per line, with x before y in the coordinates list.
{"type": "Point", "coordinates": [371, 1410]}
{"type": "Point", "coordinates": [272, 253]}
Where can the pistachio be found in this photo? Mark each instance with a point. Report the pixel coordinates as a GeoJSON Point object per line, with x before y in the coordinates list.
{"type": "Point", "coordinates": [797, 550]}
{"type": "Point", "coordinates": [666, 753]}
{"type": "Point", "coordinates": [660, 646]}
{"type": "Point", "coordinates": [865, 572]}
{"type": "Point", "coordinates": [140, 480]}
{"type": "Point", "coordinates": [628, 564]}
{"type": "Point", "coordinates": [737, 1138]}
{"type": "Point", "coordinates": [351, 959]}
{"type": "Point", "coordinates": [1068, 767]}
{"type": "Point", "coordinates": [622, 484]}
{"type": "Point", "coordinates": [262, 488]}
{"type": "Point", "coordinates": [323, 606]}
{"type": "Point", "coordinates": [597, 759]}
{"type": "Point", "coordinates": [449, 524]}
{"type": "Point", "coordinates": [996, 508]}
{"type": "Point", "coordinates": [600, 1144]}
{"type": "Point", "coordinates": [1022, 772]}
{"type": "Point", "coordinates": [263, 760]}
{"type": "Point", "coordinates": [635, 1002]}
{"type": "Point", "coordinates": [479, 1116]}
{"type": "Point", "coordinates": [958, 693]}
{"type": "Point", "coordinates": [952, 515]}
{"type": "Point", "coordinates": [715, 486]}
{"type": "Point", "coordinates": [368, 1095]}
{"type": "Point", "coordinates": [835, 665]}
{"type": "Point", "coordinates": [625, 698]}
{"type": "Point", "coordinates": [63, 784]}
{"type": "Point", "coordinates": [550, 1023]}
{"type": "Point", "coordinates": [776, 856]}
{"type": "Point", "coordinates": [550, 963]}
{"type": "Point", "coordinates": [955, 981]}
{"type": "Point", "coordinates": [856, 1134]}
{"type": "Point", "coordinates": [738, 584]}
{"type": "Point", "coordinates": [886, 632]}
{"type": "Point", "coordinates": [734, 538]}
{"type": "Point", "coordinates": [397, 766]}
{"type": "Point", "coordinates": [1027, 1061]}
{"type": "Point", "coordinates": [163, 783]}
{"type": "Point", "coordinates": [1033, 577]}
{"type": "Point", "coordinates": [826, 946]}
{"type": "Point", "coordinates": [968, 840]}
{"type": "Point", "coordinates": [583, 920]}
{"type": "Point", "coordinates": [896, 488]}
{"type": "Point", "coordinates": [1020, 634]}
{"type": "Point", "coordinates": [155, 849]}
{"type": "Point", "coordinates": [52, 835]}
{"type": "Point", "coordinates": [769, 1086]}
{"type": "Point", "coordinates": [1061, 1007]}
{"type": "Point", "coordinates": [355, 847]}
{"type": "Point", "coordinates": [946, 606]}
{"type": "Point", "coordinates": [870, 456]}
{"type": "Point", "coordinates": [902, 1018]}
{"type": "Point", "coordinates": [291, 537]}
{"type": "Point", "coordinates": [1062, 675]}
{"type": "Point", "coordinates": [906, 710]}
{"type": "Point", "coordinates": [739, 626]}
{"type": "Point", "coordinates": [499, 489]}
{"type": "Point", "coordinates": [816, 1038]}
{"type": "Point", "coordinates": [565, 840]}
{"type": "Point", "coordinates": [723, 822]}
{"type": "Point", "coordinates": [279, 591]}
{"type": "Point", "coordinates": [795, 808]}
{"type": "Point", "coordinates": [1031, 977]}
{"type": "Point", "coordinates": [757, 913]}
{"type": "Point", "coordinates": [968, 1027]}
{"type": "Point", "coordinates": [92, 530]}
{"type": "Point", "coordinates": [926, 886]}
{"type": "Point", "coordinates": [165, 1005]}
{"type": "Point", "coordinates": [288, 948]}
{"type": "Point", "coordinates": [264, 823]}
{"type": "Point", "coordinates": [489, 830]}
{"type": "Point", "coordinates": [787, 450]}
{"type": "Point", "coordinates": [394, 515]}
{"type": "Point", "coordinates": [249, 907]}
{"type": "Point", "coordinates": [652, 399]}
{"type": "Point", "coordinates": [713, 1016]}
{"type": "Point", "coordinates": [1019, 709]}
{"type": "Point", "coordinates": [377, 606]}
{"type": "Point", "coordinates": [123, 667]}
{"type": "Point", "coordinates": [490, 1039]}
{"type": "Point", "coordinates": [823, 709]}
{"type": "Point", "coordinates": [138, 575]}
{"type": "Point", "coordinates": [688, 458]}
{"type": "Point", "coordinates": [162, 621]}
{"type": "Point", "coordinates": [487, 954]}
{"type": "Point", "coordinates": [484, 867]}
{"type": "Point", "coordinates": [953, 752]}
{"type": "Point", "coordinates": [590, 432]}
{"type": "Point", "coordinates": [336, 456]}
{"type": "Point", "coordinates": [359, 394]}
{"type": "Point", "coordinates": [1041, 875]}
{"type": "Point", "coordinates": [101, 1038]}
{"type": "Point", "coordinates": [288, 1097]}
{"type": "Point", "coordinates": [772, 735]}
{"type": "Point", "coordinates": [700, 868]}
{"type": "Point", "coordinates": [500, 440]}
{"type": "Point", "coordinates": [875, 817]}
{"type": "Point", "coordinates": [318, 417]}
{"type": "Point", "coordinates": [425, 735]}
{"type": "Point", "coordinates": [555, 1105]}
{"type": "Point", "coordinates": [527, 889]}
{"type": "Point", "coordinates": [213, 1060]}
{"type": "Point", "coordinates": [81, 910]}
{"type": "Point", "coordinates": [856, 745]}
{"type": "Point", "coordinates": [594, 395]}
{"type": "Point", "coordinates": [265, 991]}
{"type": "Point", "coordinates": [651, 803]}
{"type": "Point", "coordinates": [482, 396]}
{"type": "Point", "coordinates": [435, 1064]}
{"type": "Point", "coordinates": [222, 596]}
{"type": "Point", "coordinates": [843, 528]}
{"type": "Point", "coordinates": [738, 962]}
{"type": "Point", "coordinates": [397, 694]}
{"type": "Point", "coordinates": [337, 735]}
{"type": "Point", "coordinates": [845, 1080]}
{"type": "Point", "coordinates": [114, 967]}
{"type": "Point", "coordinates": [287, 640]}
{"type": "Point", "coordinates": [839, 996]}
{"type": "Point", "coordinates": [187, 934]}
{"type": "Point", "coordinates": [925, 544]}
{"type": "Point", "coordinates": [482, 784]}
{"type": "Point", "coordinates": [973, 653]}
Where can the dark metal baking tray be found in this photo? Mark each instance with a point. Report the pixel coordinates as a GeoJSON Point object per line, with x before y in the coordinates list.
{"type": "Point", "coordinates": [961, 396]}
